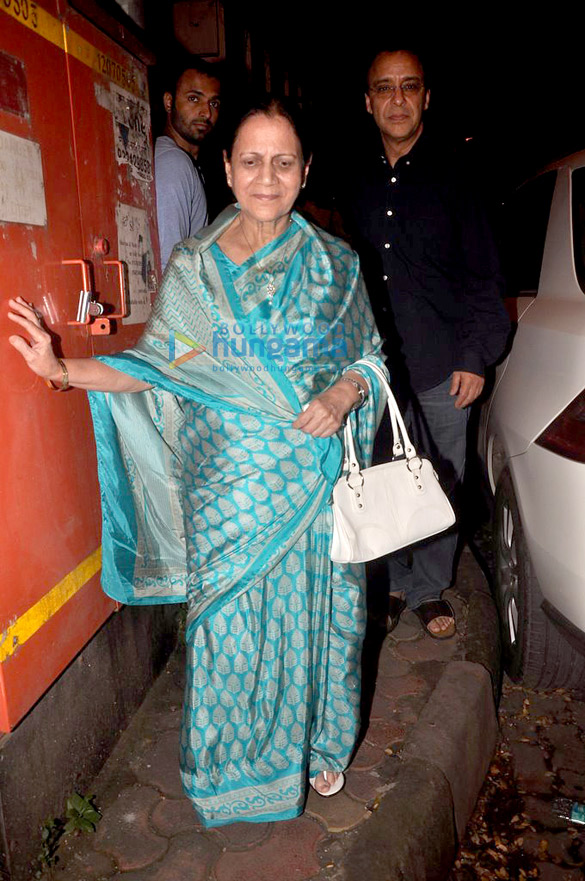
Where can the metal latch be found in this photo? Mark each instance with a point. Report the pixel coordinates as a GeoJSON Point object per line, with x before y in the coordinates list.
{"type": "Point", "coordinates": [90, 311]}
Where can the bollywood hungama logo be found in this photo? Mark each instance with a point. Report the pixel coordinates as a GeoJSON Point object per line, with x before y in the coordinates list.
{"type": "Point", "coordinates": [182, 348]}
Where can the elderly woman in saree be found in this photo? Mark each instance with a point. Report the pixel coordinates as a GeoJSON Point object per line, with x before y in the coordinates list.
{"type": "Point", "coordinates": [218, 450]}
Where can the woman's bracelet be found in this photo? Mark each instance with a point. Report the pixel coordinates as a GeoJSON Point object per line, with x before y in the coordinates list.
{"type": "Point", "coordinates": [64, 379]}
{"type": "Point", "coordinates": [361, 391]}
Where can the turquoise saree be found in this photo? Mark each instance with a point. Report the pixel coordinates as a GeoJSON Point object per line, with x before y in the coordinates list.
{"type": "Point", "coordinates": [209, 496]}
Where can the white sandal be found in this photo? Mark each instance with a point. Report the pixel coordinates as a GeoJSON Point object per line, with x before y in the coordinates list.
{"type": "Point", "coordinates": [334, 787]}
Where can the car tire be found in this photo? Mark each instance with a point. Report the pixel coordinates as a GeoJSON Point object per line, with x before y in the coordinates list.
{"type": "Point", "coordinates": [535, 652]}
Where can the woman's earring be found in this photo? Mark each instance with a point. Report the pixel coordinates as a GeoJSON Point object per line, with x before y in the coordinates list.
{"type": "Point", "coordinates": [303, 185]}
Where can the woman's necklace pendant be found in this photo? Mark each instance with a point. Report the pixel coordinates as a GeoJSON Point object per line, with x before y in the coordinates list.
{"type": "Point", "coordinates": [270, 287]}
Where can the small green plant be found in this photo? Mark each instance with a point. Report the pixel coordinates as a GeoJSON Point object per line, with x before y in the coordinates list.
{"type": "Point", "coordinates": [81, 815]}
{"type": "Point", "coordinates": [51, 834]}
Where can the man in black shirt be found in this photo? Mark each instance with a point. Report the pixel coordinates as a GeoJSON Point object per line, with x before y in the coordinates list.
{"type": "Point", "coordinates": [433, 275]}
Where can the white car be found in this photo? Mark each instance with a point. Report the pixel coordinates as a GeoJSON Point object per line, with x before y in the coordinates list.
{"type": "Point", "coordinates": [532, 435]}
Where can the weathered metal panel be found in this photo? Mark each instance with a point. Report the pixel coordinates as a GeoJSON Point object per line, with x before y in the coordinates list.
{"type": "Point", "coordinates": [50, 600]}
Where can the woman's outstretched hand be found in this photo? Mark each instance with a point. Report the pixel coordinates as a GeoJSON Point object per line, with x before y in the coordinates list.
{"type": "Point", "coordinates": [37, 351]}
{"type": "Point", "coordinates": [84, 373]}
{"type": "Point", "coordinates": [325, 414]}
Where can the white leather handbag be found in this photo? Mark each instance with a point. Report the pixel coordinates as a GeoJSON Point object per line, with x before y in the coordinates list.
{"type": "Point", "coordinates": [381, 509]}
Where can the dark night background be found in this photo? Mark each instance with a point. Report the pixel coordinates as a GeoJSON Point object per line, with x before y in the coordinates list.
{"type": "Point", "coordinates": [509, 78]}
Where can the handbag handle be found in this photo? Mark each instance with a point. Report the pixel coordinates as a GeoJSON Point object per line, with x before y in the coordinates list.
{"type": "Point", "coordinates": [400, 439]}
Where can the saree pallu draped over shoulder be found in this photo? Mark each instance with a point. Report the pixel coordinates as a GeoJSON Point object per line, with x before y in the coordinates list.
{"type": "Point", "coordinates": [210, 496]}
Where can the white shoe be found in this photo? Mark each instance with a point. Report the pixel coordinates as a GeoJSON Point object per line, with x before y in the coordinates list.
{"type": "Point", "coordinates": [335, 785]}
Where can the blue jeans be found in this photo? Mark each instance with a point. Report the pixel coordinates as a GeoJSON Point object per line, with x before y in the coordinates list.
{"type": "Point", "coordinates": [439, 431]}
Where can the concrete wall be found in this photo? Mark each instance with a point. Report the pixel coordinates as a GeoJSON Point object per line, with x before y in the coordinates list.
{"type": "Point", "coordinates": [65, 739]}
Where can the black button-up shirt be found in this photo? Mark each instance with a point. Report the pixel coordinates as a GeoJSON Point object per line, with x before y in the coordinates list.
{"type": "Point", "coordinates": [430, 264]}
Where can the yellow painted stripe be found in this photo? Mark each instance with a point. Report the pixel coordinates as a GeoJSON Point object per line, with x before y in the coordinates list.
{"type": "Point", "coordinates": [32, 620]}
{"type": "Point", "coordinates": [36, 19]}
{"type": "Point", "coordinates": [50, 28]}
{"type": "Point", "coordinates": [125, 77]}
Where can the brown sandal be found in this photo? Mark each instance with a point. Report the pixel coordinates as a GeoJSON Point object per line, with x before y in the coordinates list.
{"type": "Point", "coordinates": [432, 609]}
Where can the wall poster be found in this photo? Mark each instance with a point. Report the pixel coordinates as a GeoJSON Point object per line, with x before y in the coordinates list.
{"type": "Point", "coordinates": [132, 133]}
{"type": "Point", "coordinates": [22, 189]}
{"type": "Point", "coordinates": [135, 249]}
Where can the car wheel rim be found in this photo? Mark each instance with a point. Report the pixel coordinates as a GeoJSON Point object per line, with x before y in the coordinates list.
{"type": "Point", "coordinates": [508, 575]}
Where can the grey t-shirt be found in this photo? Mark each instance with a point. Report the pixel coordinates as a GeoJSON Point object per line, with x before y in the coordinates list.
{"type": "Point", "coordinates": [181, 206]}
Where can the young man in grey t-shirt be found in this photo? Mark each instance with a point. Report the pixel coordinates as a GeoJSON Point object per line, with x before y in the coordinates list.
{"type": "Point", "coordinates": [192, 112]}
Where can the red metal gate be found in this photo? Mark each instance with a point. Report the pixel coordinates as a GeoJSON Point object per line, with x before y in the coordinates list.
{"type": "Point", "coordinates": [76, 212]}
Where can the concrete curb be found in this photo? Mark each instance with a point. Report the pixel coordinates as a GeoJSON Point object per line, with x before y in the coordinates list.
{"type": "Point", "coordinates": [414, 833]}
{"type": "Point", "coordinates": [482, 641]}
{"type": "Point", "coordinates": [460, 744]}
{"type": "Point", "coordinates": [411, 837]}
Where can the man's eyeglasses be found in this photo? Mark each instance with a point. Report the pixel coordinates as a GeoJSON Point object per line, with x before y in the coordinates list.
{"type": "Point", "coordinates": [407, 90]}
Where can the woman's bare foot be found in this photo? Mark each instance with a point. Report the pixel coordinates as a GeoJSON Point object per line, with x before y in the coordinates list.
{"type": "Point", "coordinates": [327, 782]}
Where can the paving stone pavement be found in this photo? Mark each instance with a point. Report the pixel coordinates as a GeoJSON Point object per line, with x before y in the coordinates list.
{"type": "Point", "coordinates": [546, 734]}
{"type": "Point", "coordinates": [149, 832]}
{"type": "Point", "coordinates": [540, 757]}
